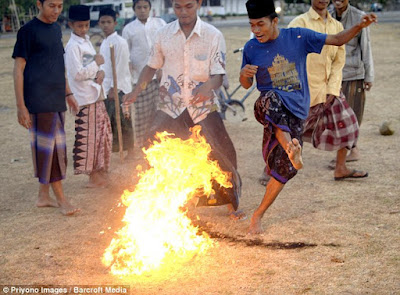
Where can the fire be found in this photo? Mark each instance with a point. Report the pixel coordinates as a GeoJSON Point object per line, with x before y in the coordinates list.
{"type": "Point", "coordinates": [157, 230]}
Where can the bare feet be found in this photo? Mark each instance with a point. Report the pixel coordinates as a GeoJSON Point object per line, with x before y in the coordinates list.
{"type": "Point", "coordinates": [293, 150]}
{"type": "Point", "coordinates": [255, 226]}
{"type": "Point", "coordinates": [97, 180]}
{"type": "Point", "coordinates": [354, 155]}
{"type": "Point", "coordinates": [44, 199]}
{"type": "Point", "coordinates": [237, 215]}
{"type": "Point", "coordinates": [67, 209]}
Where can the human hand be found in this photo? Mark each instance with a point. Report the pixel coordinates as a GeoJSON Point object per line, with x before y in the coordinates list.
{"type": "Point", "coordinates": [99, 59]}
{"type": "Point", "coordinates": [248, 71]}
{"type": "Point", "coordinates": [99, 77]}
{"type": "Point", "coordinates": [367, 86]}
{"type": "Point", "coordinates": [72, 104]}
{"type": "Point", "coordinates": [329, 99]}
{"type": "Point", "coordinates": [24, 118]}
{"type": "Point", "coordinates": [201, 94]}
{"type": "Point", "coordinates": [368, 19]}
{"type": "Point", "coordinates": [129, 98]}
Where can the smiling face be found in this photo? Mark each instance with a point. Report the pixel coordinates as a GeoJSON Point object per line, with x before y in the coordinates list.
{"type": "Point", "coordinates": [186, 11]}
{"type": "Point", "coordinates": [264, 29]}
{"type": "Point", "coordinates": [49, 10]}
{"type": "Point", "coordinates": [107, 24]}
{"type": "Point", "coordinates": [340, 5]}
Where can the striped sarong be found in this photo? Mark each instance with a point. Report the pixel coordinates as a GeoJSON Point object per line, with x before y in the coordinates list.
{"type": "Point", "coordinates": [93, 139]}
{"type": "Point", "coordinates": [355, 96]}
{"type": "Point", "coordinates": [48, 144]}
{"type": "Point", "coordinates": [145, 109]}
{"type": "Point", "coordinates": [331, 127]}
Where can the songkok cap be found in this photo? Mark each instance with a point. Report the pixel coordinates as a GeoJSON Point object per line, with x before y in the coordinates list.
{"type": "Point", "coordinates": [260, 8]}
{"type": "Point", "coordinates": [79, 13]}
{"type": "Point", "coordinates": [107, 12]}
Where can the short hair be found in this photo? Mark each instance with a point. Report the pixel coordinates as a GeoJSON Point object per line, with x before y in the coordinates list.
{"type": "Point", "coordinates": [108, 12]}
{"type": "Point", "coordinates": [134, 2]}
{"type": "Point", "coordinates": [272, 16]}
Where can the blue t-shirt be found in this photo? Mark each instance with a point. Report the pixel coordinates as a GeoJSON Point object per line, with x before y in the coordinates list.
{"type": "Point", "coordinates": [40, 44]}
{"type": "Point", "coordinates": [282, 66]}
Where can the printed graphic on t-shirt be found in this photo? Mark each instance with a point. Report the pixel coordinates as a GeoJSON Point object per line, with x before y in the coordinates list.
{"type": "Point", "coordinates": [87, 59]}
{"type": "Point", "coordinates": [284, 75]}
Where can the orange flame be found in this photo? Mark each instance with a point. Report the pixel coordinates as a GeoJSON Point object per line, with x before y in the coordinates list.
{"type": "Point", "coordinates": [157, 230]}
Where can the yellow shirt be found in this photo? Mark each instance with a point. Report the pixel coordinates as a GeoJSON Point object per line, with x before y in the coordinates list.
{"type": "Point", "coordinates": [324, 71]}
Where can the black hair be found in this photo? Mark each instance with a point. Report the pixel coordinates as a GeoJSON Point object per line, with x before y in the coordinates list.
{"type": "Point", "coordinates": [272, 16]}
{"type": "Point", "coordinates": [134, 2]}
{"type": "Point", "coordinates": [108, 12]}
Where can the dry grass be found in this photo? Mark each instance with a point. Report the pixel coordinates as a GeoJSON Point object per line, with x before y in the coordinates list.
{"type": "Point", "coordinates": [354, 225]}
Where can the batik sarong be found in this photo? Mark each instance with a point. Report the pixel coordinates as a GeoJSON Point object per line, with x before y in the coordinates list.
{"type": "Point", "coordinates": [271, 113]}
{"type": "Point", "coordinates": [145, 108]}
{"type": "Point", "coordinates": [355, 96]}
{"type": "Point", "coordinates": [93, 139]}
{"type": "Point", "coordinates": [48, 144]}
{"type": "Point", "coordinates": [126, 125]}
{"type": "Point", "coordinates": [332, 126]}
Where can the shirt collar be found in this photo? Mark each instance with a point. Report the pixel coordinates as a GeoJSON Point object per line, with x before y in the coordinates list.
{"type": "Point", "coordinates": [78, 39]}
{"type": "Point", "coordinates": [196, 30]}
{"type": "Point", "coordinates": [316, 16]}
{"type": "Point", "coordinates": [112, 35]}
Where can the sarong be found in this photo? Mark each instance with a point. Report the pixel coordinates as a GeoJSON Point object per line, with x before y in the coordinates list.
{"type": "Point", "coordinates": [331, 127]}
{"type": "Point", "coordinates": [93, 139]}
{"type": "Point", "coordinates": [145, 109]}
{"type": "Point", "coordinates": [48, 144]}
{"type": "Point", "coordinates": [355, 96]}
{"type": "Point", "coordinates": [126, 125]}
{"type": "Point", "coordinates": [271, 113]}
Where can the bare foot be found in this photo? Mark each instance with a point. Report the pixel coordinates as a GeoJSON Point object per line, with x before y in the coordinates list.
{"type": "Point", "coordinates": [237, 215]}
{"type": "Point", "coordinates": [67, 209]}
{"type": "Point", "coordinates": [294, 152]}
{"type": "Point", "coordinates": [354, 155]}
{"type": "Point", "coordinates": [255, 226]}
{"type": "Point", "coordinates": [44, 200]}
{"type": "Point", "coordinates": [97, 180]}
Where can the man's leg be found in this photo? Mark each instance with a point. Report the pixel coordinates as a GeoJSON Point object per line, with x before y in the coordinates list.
{"type": "Point", "coordinates": [44, 199]}
{"type": "Point", "coordinates": [291, 146]}
{"type": "Point", "coordinates": [65, 206]}
{"type": "Point", "coordinates": [341, 170]}
{"type": "Point", "coordinates": [273, 189]}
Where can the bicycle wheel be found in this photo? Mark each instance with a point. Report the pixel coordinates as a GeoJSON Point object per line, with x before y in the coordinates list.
{"type": "Point", "coordinates": [235, 111]}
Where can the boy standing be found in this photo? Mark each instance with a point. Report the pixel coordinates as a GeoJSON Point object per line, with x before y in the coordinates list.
{"type": "Point", "coordinates": [41, 92]}
{"type": "Point", "coordinates": [140, 35]}
{"type": "Point", "coordinates": [107, 22]}
{"type": "Point", "coordinates": [277, 58]}
{"type": "Point", "coordinates": [93, 139]}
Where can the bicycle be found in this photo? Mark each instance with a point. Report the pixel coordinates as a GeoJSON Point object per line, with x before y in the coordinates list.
{"type": "Point", "coordinates": [232, 109]}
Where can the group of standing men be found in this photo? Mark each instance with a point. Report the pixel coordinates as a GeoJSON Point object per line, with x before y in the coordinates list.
{"type": "Point", "coordinates": [181, 64]}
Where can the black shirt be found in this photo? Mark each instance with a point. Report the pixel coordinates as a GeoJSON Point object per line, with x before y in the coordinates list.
{"type": "Point", "coordinates": [40, 44]}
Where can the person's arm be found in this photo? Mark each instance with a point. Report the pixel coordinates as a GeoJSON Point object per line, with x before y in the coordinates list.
{"type": "Point", "coordinates": [334, 83]}
{"type": "Point", "coordinates": [22, 112]}
{"type": "Point", "coordinates": [247, 75]}
{"type": "Point", "coordinates": [205, 91]}
{"type": "Point", "coordinates": [366, 55]}
{"type": "Point", "coordinates": [146, 75]}
{"type": "Point", "coordinates": [70, 98]}
{"type": "Point", "coordinates": [345, 36]}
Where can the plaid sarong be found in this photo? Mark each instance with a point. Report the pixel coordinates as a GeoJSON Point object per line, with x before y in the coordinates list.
{"type": "Point", "coordinates": [145, 109]}
{"type": "Point", "coordinates": [93, 139]}
{"type": "Point", "coordinates": [48, 144]}
{"type": "Point", "coordinates": [271, 113]}
{"type": "Point", "coordinates": [331, 127]}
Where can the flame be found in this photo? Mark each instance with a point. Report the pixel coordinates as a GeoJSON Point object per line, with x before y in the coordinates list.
{"type": "Point", "coordinates": [157, 230]}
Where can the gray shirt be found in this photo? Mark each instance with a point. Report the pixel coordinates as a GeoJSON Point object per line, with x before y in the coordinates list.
{"type": "Point", "coordinates": [359, 62]}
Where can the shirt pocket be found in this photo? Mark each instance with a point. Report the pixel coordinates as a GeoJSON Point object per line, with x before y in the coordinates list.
{"type": "Point", "coordinates": [200, 68]}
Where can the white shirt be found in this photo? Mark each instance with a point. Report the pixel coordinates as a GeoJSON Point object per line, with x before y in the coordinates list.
{"type": "Point", "coordinates": [140, 39]}
{"type": "Point", "coordinates": [121, 53]}
{"type": "Point", "coordinates": [82, 69]}
{"type": "Point", "coordinates": [187, 63]}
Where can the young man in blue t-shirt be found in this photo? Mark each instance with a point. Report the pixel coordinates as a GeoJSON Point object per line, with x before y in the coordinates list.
{"type": "Point", "coordinates": [42, 92]}
{"type": "Point", "coordinates": [277, 58]}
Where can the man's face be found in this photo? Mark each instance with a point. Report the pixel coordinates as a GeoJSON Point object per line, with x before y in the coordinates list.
{"type": "Point", "coordinates": [186, 10]}
{"type": "Point", "coordinates": [142, 10]}
{"type": "Point", "coordinates": [107, 24]}
{"type": "Point", "coordinates": [319, 4]}
{"type": "Point", "coordinates": [340, 4]}
{"type": "Point", "coordinates": [50, 10]}
{"type": "Point", "coordinates": [80, 28]}
{"type": "Point", "coordinates": [263, 28]}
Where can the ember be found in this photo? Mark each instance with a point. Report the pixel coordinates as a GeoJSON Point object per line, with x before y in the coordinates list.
{"type": "Point", "coordinates": [157, 230]}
